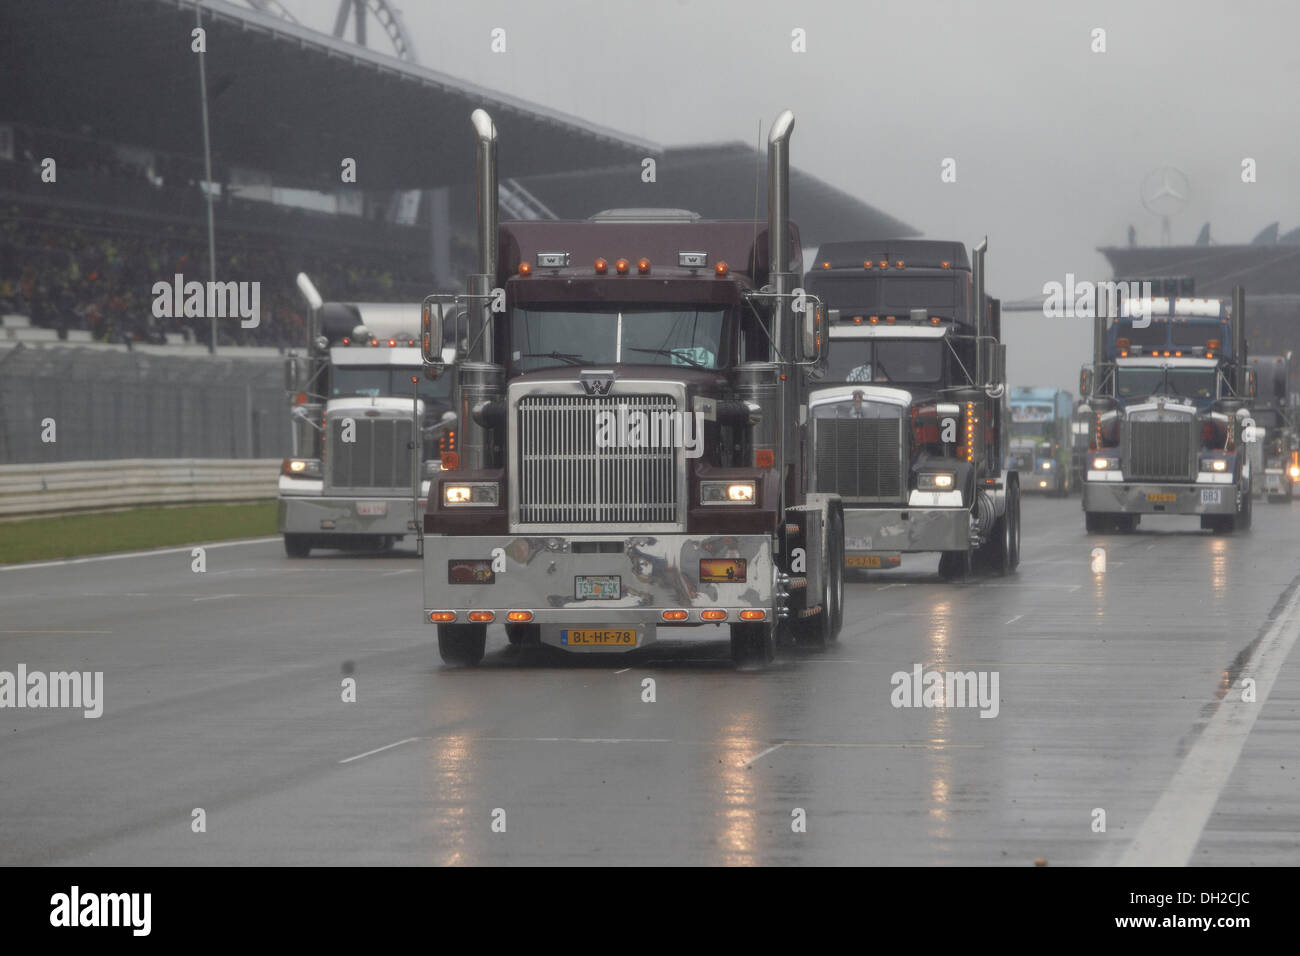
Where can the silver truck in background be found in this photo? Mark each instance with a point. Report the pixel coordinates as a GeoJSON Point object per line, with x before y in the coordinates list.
{"type": "Point", "coordinates": [368, 429]}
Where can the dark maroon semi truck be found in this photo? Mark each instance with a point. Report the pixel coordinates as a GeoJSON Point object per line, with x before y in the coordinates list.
{"type": "Point", "coordinates": [631, 453]}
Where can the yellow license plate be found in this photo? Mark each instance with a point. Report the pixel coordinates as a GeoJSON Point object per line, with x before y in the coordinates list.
{"type": "Point", "coordinates": [588, 637]}
{"type": "Point", "coordinates": [1161, 497]}
{"type": "Point", "coordinates": [863, 561]}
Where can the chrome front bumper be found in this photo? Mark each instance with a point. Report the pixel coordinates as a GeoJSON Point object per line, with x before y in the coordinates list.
{"type": "Point", "coordinates": [869, 530]}
{"type": "Point", "coordinates": [323, 517]}
{"type": "Point", "coordinates": [656, 572]}
{"type": "Point", "coordinates": [1040, 482]}
{"type": "Point", "coordinates": [1147, 498]}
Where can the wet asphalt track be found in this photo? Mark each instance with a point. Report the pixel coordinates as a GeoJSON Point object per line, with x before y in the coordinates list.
{"type": "Point", "coordinates": [1117, 691]}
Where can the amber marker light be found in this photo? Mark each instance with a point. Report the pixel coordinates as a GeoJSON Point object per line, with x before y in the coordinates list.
{"type": "Point", "coordinates": [482, 617]}
{"type": "Point", "coordinates": [525, 269]}
{"type": "Point", "coordinates": [753, 615]}
{"type": "Point", "coordinates": [674, 615]}
{"type": "Point", "coordinates": [643, 267]}
{"type": "Point", "coordinates": [601, 267]}
{"type": "Point", "coordinates": [720, 269]}
{"type": "Point", "coordinates": [442, 617]}
{"type": "Point", "coordinates": [621, 267]}
{"type": "Point", "coordinates": [713, 615]}
{"type": "Point", "coordinates": [519, 617]}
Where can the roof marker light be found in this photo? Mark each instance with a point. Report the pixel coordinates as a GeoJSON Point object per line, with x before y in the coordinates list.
{"type": "Point", "coordinates": [643, 266]}
{"type": "Point", "coordinates": [601, 266]}
{"type": "Point", "coordinates": [621, 267]}
{"type": "Point", "coordinates": [720, 269]}
{"type": "Point", "coordinates": [525, 269]}
{"type": "Point", "coordinates": [868, 264]}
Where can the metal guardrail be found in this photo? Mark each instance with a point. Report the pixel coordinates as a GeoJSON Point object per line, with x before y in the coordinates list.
{"type": "Point", "coordinates": [35, 489]}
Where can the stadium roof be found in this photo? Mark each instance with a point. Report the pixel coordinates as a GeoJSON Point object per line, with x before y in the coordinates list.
{"type": "Point", "coordinates": [718, 181]}
{"type": "Point", "coordinates": [282, 98]}
{"type": "Point", "coordinates": [1261, 269]}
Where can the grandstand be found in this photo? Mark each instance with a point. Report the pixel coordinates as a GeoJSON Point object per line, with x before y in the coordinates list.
{"type": "Point", "coordinates": [79, 256]}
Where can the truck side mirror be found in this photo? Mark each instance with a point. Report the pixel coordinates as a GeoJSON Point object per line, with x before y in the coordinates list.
{"type": "Point", "coordinates": [431, 322]}
{"type": "Point", "coordinates": [814, 331]}
{"type": "Point", "coordinates": [1251, 382]}
{"type": "Point", "coordinates": [291, 374]}
{"type": "Point", "coordinates": [1085, 382]}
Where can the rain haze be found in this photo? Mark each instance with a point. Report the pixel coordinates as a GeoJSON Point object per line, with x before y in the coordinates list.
{"type": "Point", "coordinates": [1051, 140]}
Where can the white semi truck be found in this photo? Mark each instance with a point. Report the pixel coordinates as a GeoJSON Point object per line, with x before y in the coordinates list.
{"type": "Point", "coordinates": [368, 429]}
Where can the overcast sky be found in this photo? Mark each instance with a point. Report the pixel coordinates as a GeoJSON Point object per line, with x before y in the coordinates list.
{"type": "Point", "coordinates": [1051, 140]}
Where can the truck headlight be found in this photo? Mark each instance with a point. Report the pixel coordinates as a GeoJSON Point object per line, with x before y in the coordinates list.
{"type": "Point", "coordinates": [727, 492]}
{"type": "Point", "coordinates": [471, 493]}
{"type": "Point", "coordinates": [1046, 465]}
{"type": "Point", "coordinates": [1105, 464]}
{"type": "Point", "coordinates": [1214, 464]}
{"type": "Point", "coordinates": [934, 481]}
{"type": "Point", "coordinates": [301, 468]}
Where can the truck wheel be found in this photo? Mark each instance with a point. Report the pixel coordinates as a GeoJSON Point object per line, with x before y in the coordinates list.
{"type": "Point", "coordinates": [524, 633]}
{"type": "Point", "coordinates": [1244, 517]}
{"type": "Point", "coordinates": [1013, 537]}
{"type": "Point", "coordinates": [461, 645]}
{"type": "Point", "coordinates": [835, 568]}
{"type": "Point", "coordinates": [954, 565]}
{"type": "Point", "coordinates": [753, 643]}
{"type": "Point", "coordinates": [297, 545]}
{"type": "Point", "coordinates": [1095, 522]}
{"type": "Point", "coordinates": [1218, 524]}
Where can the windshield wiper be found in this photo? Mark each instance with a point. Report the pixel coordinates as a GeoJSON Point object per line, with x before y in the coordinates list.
{"type": "Point", "coordinates": [561, 356]}
{"type": "Point", "coordinates": [675, 353]}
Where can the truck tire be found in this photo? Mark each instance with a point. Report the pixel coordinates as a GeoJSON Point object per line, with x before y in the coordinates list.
{"type": "Point", "coordinates": [461, 645]}
{"type": "Point", "coordinates": [1218, 524]}
{"type": "Point", "coordinates": [1013, 538]}
{"type": "Point", "coordinates": [528, 634]}
{"type": "Point", "coordinates": [1096, 522]}
{"type": "Point", "coordinates": [753, 643]}
{"type": "Point", "coordinates": [1243, 518]}
{"type": "Point", "coordinates": [954, 565]}
{"type": "Point", "coordinates": [297, 545]}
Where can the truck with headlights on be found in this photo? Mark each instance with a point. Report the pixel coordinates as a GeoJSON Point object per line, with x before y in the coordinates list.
{"type": "Point", "coordinates": [367, 428]}
{"type": "Point", "coordinates": [1169, 402]}
{"type": "Point", "coordinates": [909, 420]}
{"type": "Point", "coordinates": [1277, 461]}
{"type": "Point", "coordinates": [631, 448]}
{"type": "Point", "coordinates": [1042, 447]}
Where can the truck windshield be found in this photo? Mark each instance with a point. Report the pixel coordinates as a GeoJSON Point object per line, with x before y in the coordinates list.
{"type": "Point", "coordinates": [1031, 431]}
{"type": "Point", "coordinates": [1133, 383]}
{"type": "Point", "coordinates": [374, 382]}
{"type": "Point", "coordinates": [686, 336]}
{"type": "Point", "coordinates": [885, 360]}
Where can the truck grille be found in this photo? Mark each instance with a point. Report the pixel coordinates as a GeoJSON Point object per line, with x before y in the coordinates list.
{"type": "Point", "coordinates": [1159, 450]}
{"type": "Point", "coordinates": [565, 478]}
{"type": "Point", "coordinates": [860, 458]}
{"type": "Point", "coordinates": [380, 458]}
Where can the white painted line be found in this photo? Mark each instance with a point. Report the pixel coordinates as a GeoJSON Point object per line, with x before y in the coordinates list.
{"type": "Point", "coordinates": [1169, 835]}
{"type": "Point", "coordinates": [219, 597]}
{"type": "Point", "coordinates": [886, 587]}
{"type": "Point", "coordinates": [1013, 620]}
{"type": "Point", "coordinates": [579, 740]}
{"type": "Point", "coordinates": [769, 750]}
{"type": "Point", "coordinates": [623, 671]}
{"type": "Point", "coordinates": [1077, 586]}
{"type": "Point", "coordinates": [389, 574]}
{"type": "Point", "coordinates": [7, 631]}
{"type": "Point", "coordinates": [379, 750]}
{"type": "Point", "coordinates": [136, 554]}
{"type": "Point", "coordinates": [828, 660]}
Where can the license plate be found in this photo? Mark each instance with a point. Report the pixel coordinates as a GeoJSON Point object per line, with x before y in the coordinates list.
{"type": "Point", "coordinates": [857, 544]}
{"type": "Point", "coordinates": [1161, 497]}
{"type": "Point", "coordinates": [597, 587]}
{"type": "Point", "coordinates": [372, 509]}
{"type": "Point", "coordinates": [1211, 496]}
{"type": "Point", "coordinates": [863, 561]}
{"type": "Point", "coordinates": [596, 637]}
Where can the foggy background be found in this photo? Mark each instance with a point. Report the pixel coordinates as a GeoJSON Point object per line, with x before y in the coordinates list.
{"type": "Point", "coordinates": [1051, 140]}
